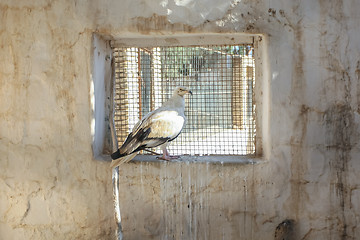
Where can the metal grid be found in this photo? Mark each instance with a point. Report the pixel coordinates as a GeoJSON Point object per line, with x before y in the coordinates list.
{"type": "Point", "coordinates": [220, 113]}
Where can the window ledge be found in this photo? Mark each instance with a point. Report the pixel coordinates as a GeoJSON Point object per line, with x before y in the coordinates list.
{"type": "Point", "coordinates": [219, 159]}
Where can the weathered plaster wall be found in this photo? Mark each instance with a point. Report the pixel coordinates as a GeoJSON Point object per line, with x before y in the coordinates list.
{"type": "Point", "coordinates": [52, 188]}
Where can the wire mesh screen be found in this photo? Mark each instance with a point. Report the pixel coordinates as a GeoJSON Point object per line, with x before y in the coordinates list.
{"type": "Point", "coordinates": [220, 113]}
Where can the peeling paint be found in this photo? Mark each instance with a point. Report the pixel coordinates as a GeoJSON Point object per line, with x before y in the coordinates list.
{"type": "Point", "coordinates": [285, 230]}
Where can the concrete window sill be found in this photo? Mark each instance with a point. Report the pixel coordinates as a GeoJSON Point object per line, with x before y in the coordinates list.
{"type": "Point", "coordinates": [242, 160]}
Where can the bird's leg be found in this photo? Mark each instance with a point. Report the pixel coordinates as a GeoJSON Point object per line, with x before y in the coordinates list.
{"type": "Point", "coordinates": [166, 156]}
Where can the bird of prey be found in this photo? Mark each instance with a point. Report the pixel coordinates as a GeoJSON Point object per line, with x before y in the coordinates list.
{"type": "Point", "coordinates": [157, 128]}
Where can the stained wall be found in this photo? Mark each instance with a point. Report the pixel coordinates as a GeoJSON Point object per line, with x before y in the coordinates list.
{"type": "Point", "coordinates": [51, 186]}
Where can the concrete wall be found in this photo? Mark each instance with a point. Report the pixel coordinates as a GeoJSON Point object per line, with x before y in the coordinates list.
{"type": "Point", "coordinates": [52, 188]}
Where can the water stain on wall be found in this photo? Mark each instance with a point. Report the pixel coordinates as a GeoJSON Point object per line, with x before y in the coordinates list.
{"type": "Point", "coordinates": [156, 24]}
{"type": "Point", "coordinates": [339, 123]}
{"type": "Point", "coordinates": [357, 75]}
{"type": "Point", "coordinates": [298, 139]}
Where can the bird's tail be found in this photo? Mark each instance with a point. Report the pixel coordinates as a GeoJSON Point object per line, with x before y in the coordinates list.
{"type": "Point", "coordinates": [121, 160]}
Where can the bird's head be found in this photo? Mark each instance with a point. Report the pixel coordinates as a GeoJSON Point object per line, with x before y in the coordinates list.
{"type": "Point", "coordinates": [181, 91]}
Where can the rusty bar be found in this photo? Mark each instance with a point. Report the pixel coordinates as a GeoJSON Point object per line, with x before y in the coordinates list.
{"type": "Point", "coordinates": [139, 84]}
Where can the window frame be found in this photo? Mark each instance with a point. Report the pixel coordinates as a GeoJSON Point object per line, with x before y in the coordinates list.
{"type": "Point", "coordinates": [103, 52]}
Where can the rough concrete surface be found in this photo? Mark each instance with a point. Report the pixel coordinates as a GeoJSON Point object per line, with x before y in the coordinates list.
{"type": "Point", "coordinates": [51, 187]}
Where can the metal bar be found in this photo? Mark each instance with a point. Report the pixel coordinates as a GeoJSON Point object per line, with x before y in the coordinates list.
{"type": "Point", "coordinates": [220, 114]}
{"type": "Point", "coordinates": [152, 100]}
{"type": "Point", "coordinates": [193, 40]}
{"type": "Point", "coordinates": [115, 146]}
{"type": "Point", "coordinates": [139, 83]}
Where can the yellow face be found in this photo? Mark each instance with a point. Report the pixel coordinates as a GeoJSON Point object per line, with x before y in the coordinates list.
{"type": "Point", "coordinates": [183, 90]}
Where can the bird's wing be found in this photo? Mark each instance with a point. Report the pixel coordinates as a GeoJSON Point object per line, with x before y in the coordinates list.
{"type": "Point", "coordinates": [155, 129]}
{"type": "Point", "coordinates": [167, 123]}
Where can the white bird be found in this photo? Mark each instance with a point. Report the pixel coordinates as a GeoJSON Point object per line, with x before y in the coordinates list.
{"type": "Point", "coordinates": [157, 128]}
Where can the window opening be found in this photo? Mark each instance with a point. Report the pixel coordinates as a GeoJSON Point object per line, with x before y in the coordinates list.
{"type": "Point", "coordinates": [221, 111]}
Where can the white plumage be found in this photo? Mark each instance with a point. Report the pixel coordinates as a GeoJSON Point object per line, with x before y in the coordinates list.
{"type": "Point", "coordinates": [157, 128]}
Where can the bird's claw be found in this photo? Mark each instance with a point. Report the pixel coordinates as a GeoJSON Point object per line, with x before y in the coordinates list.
{"type": "Point", "coordinates": [168, 158]}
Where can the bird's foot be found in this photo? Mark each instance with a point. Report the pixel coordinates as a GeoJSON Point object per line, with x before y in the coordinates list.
{"type": "Point", "coordinates": [164, 158]}
{"type": "Point", "coordinates": [168, 158]}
